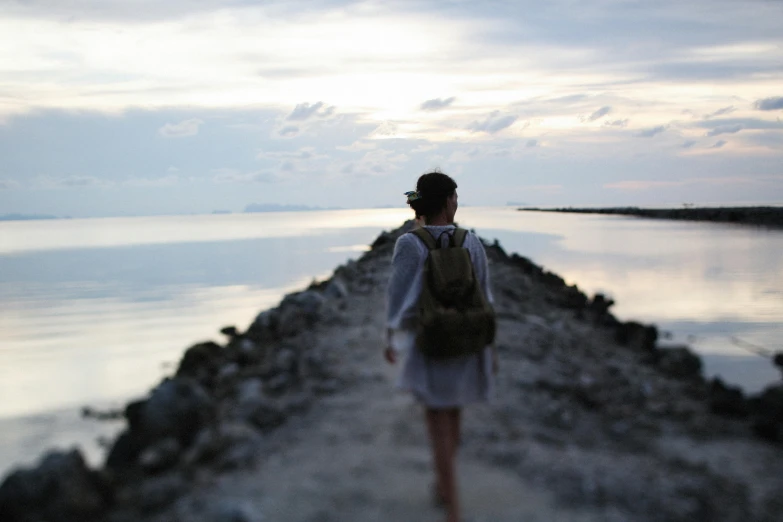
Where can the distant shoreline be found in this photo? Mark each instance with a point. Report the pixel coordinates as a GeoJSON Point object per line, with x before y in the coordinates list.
{"type": "Point", "coordinates": [771, 217]}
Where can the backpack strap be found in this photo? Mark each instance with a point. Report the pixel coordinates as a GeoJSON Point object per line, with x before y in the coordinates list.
{"type": "Point", "coordinates": [457, 239]}
{"type": "Point", "coordinates": [426, 237]}
{"type": "Point", "coordinates": [459, 236]}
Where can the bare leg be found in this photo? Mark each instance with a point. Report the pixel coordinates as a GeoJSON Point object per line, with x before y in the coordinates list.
{"type": "Point", "coordinates": [455, 420]}
{"type": "Point", "coordinates": [439, 425]}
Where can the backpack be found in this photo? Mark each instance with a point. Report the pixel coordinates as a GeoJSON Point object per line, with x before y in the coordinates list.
{"type": "Point", "coordinates": [455, 317]}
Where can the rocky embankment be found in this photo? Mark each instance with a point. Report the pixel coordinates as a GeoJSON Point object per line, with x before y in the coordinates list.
{"type": "Point", "coordinates": [295, 419]}
{"type": "Point", "coordinates": [771, 217]}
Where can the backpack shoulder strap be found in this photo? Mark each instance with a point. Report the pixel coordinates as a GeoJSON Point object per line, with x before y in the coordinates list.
{"type": "Point", "coordinates": [459, 236]}
{"type": "Point", "coordinates": [426, 237]}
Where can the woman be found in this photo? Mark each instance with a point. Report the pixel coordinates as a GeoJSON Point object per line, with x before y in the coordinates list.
{"type": "Point", "coordinates": [443, 386]}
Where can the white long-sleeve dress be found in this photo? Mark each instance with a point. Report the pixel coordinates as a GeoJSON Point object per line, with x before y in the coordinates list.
{"type": "Point", "coordinates": [438, 383]}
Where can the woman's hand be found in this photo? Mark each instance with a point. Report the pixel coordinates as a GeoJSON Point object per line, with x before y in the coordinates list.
{"type": "Point", "coordinates": [390, 354]}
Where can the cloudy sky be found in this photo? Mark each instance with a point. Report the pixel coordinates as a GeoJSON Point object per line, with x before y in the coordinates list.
{"type": "Point", "coordinates": [125, 107]}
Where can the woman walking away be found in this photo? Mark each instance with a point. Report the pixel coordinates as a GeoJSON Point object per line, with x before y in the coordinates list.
{"type": "Point", "coordinates": [440, 318]}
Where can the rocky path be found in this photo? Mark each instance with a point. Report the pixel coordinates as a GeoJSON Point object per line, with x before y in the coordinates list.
{"type": "Point", "coordinates": [297, 420]}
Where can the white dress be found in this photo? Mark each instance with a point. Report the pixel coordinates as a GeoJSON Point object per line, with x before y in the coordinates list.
{"type": "Point", "coordinates": [438, 383]}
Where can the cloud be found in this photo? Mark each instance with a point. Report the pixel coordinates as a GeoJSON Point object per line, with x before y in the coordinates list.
{"type": "Point", "coordinates": [642, 184]}
{"type": "Point", "coordinates": [305, 111]}
{"type": "Point", "coordinates": [386, 129]}
{"type": "Point", "coordinates": [725, 129]}
{"type": "Point", "coordinates": [769, 104]}
{"type": "Point", "coordinates": [531, 143]}
{"type": "Point", "coordinates": [6, 184]}
{"type": "Point", "coordinates": [600, 113]}
{"type": "Point", "coordinates": [720, 112]}
{"type": "Point", "coordinates": [493, 123]}
{"type": "Point", "coordinates": [80, 181]}
{"type": "Point", "coordinates": [289, 131]}
{"type": "Point", "coordinates": [235, 176]}
{"type": "Point", "coordinates": [165, 181]}
{"type": "Point", "coordinates": [437, 104]}
{"type": "Point", "coordinates": [688, 144]}
{"type": "Point", "coordinates": [650, 132]}
{"type": "Point", "coordinates": [718, 144]}
{"type": "Point", "coordinates": [616, 123]}
{"type": "Point", "coordinates": [182, 129]}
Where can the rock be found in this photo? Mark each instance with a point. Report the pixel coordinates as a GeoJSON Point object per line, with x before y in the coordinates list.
{"type": "Point", "coordinates": [278, 384]}
{"type": "Point", "coordinates": [160, 455]}
{"type": "Point", "coordinates": [227, 511]}
{"type": "Point", "coordinates": [229, 331]}
{"type": "Point", "coordinates": [263, 413]}
{"type": "Point", "coordinates": [679, 361]}
{"type": "Point", "coordinates": [158, 492]}
{"type": "Point", "coordinates": [200, 360]}
{"type": "Point", "coordinates": [231, 445]}
{"type": "Point", "coordinates": [264, 326]}
{"type": "Point", "coordinates": [60, 489]}
{"type": "Point", "coordinates": [286, 361]}
{"type": "Point", "coordinates": [298, 312]}
{"type": "Point", "coordinates": [767, 410]}
{"type": "Point", "coordinates": [228, 372]}
{"type": "Point", "coordinates": [572, 297]}
{"type": "Point", "coordinates": [727, 400]}
{"type": "Point", "coordinates": [385, 238]}
{"type": "Point", "coordinates": [177, 408]}
{"type": "Point", "coordinates": [637, 336]}
{"type": "Point", "coordinates": [336, 289]}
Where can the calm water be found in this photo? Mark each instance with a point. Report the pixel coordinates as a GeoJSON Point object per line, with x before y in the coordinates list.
{"type": "Point", "coordinates": [97, 311]}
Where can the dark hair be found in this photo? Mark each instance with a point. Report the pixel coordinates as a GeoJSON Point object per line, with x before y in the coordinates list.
{"type": "Point", "coordinates": [434, 189]}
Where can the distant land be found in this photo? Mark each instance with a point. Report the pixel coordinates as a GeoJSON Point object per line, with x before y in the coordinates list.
{"type": "Point", "coordinates": [272, 207]}
{"type": "Point", "coordinates": [761, 216]}
{"type": "Point", "coordinates": [26, 217]}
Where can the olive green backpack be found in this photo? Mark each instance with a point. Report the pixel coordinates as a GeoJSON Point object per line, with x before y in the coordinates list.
{"type": "Point", "coordinates": [455, 317]}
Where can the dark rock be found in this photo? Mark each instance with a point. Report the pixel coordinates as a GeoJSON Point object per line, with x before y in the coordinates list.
{"type": "Point", "coordinates": [727, 400]}
{"type": "Point", "coordinates": [230, 445]}
{"type": "Point", "coordinates": [156, 493]}
{"type": "Point", "coordinates": [60, 489]}
{"type": "Point", "coordinates": [572, 298]}
{"type": "Point", "coordinates": [264, 326]}
{"type": "Point", "coordinates": [679, 361]}
{"type": "Point", "coordinates": [600, 305]}
{"type": "Point", "coordinates": [230, 331]}
{"type": "Point", "coordinates": [228, 372]}
{"type": "Point", "coordinates": [200, 360]}
{"type": "Point", "coordinates": [336, 289]}
{"type": "Point", "coordinates": [777, 360]}
{"type": "Point", "coordinates": [637, 336]}
{"type": "Point", "coordinates": [278, 384]}
{"type": "Point", "coordinates": [767, 409]}
{"type": "Point", "coordinates": [386, 238]}
{"type": "Point", "coordinates": [227, 511]}
{"type": "Point", "coordinates": [298, 312]}
{"type": "Point", "coordinates": [161, 455]}
{"type": "Point", "coordinates": [176, 408]}
{"type": "Point", "coordinates": [123, 452]}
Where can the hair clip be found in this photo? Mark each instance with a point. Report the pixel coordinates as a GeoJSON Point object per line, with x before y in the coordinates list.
{"type": "Point", "coordinates": [413, 195]}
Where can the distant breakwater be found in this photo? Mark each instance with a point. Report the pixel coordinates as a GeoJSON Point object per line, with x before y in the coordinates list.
{"type": "Point", "coordinates": [771, 217]}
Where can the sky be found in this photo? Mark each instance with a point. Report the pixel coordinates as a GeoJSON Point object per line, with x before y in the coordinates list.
{"type": "Point", "coordinates": [143, 107]}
